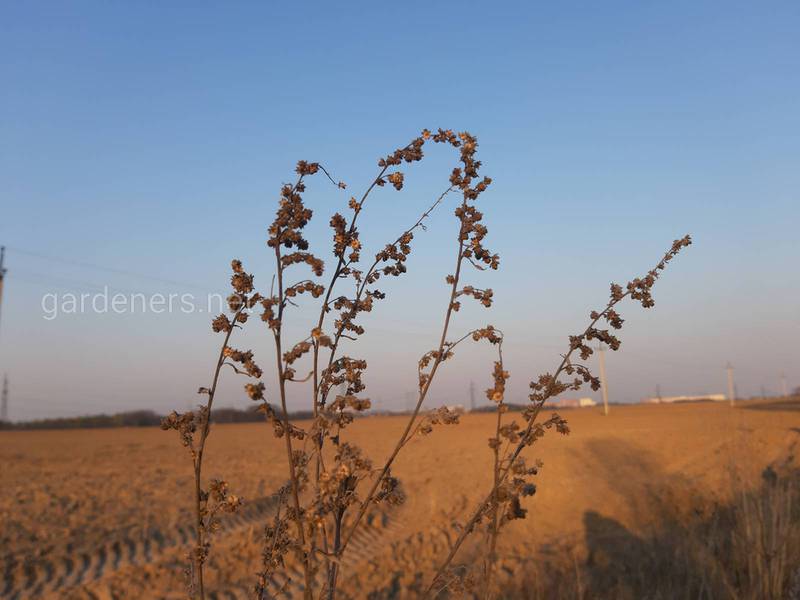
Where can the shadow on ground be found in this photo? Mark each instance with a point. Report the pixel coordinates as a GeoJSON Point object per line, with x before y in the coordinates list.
{"type": "Point", "coordinates": [676, 543]}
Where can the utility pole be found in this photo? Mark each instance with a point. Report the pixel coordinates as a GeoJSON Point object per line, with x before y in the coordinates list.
{"type": "Point", "coordinates": [2, 273]}
{"type": "Point", "coordinates": [603, 380]}
{"type": "Point", "coordinates": [472, 396]}
{"type": "Point", "coordinates": [4, 401]}
{"type": "Point", "coordinates": [731, 396]}
{"type": "Point", "coordinates": [409, 401]}
{"type": "Point", "coordinates": [784, 391]}
{"type": "Point", "coordinates": [658, 393]}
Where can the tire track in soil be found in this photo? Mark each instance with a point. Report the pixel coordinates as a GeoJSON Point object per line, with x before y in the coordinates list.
{"type": "Point", "coordinates": [24, 579]}
{"type": "Point", "coordinates": [380, 530]}
{"type": "Point", "coordinates": [383, 531]}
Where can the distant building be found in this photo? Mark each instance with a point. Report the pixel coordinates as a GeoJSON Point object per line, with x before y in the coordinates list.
{"type": "Point", "coordinates": [572, 403]}
{"type": "Point", "coordinates": [563, 403]}
{"type": "Point", "coordinates": [674, 399]}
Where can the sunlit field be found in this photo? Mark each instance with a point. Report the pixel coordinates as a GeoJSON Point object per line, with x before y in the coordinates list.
{"type": "Point", "coordinates": [104, 513]}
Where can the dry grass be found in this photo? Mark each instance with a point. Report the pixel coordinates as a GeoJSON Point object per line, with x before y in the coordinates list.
{"type": "Point", "coordinates": [745, 549]}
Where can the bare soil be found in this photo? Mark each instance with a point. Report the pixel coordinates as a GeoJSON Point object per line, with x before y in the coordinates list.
{"type": "Point", "coordinates": [106, 513]}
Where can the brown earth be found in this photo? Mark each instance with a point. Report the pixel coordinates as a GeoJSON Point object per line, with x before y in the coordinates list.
{"type": "Point", "coordinates": [106, 513]}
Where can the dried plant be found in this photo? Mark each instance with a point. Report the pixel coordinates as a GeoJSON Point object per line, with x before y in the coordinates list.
{"type": "Point", "coordinates": [511, 475]}
{"type": "Point", "coordinates": [208, 503]}
{"type": "Point", "coordinates": [331, 483]}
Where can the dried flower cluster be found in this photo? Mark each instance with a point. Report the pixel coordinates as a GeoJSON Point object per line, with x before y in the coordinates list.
{"type": "Point", "coordinates": [331, 482]}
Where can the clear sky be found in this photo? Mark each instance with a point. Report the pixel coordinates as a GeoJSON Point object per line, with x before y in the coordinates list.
{"type": "Point", "coordinates": [142, 146]}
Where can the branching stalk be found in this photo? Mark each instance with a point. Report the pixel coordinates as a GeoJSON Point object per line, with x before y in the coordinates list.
{"type": "Point", "coordinates": [420, 400]}
{"type": "Point", "coordinates": [525, 438]}
{"type": "Point", "coordinates": [199, 551]}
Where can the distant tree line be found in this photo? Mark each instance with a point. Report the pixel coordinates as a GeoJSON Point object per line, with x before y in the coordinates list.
{"type": "Point", "coordinates": [137, 418]}
{"type": "Point", "coordinates": [148, 418]}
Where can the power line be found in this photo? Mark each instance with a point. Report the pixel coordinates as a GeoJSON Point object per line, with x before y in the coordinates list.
{"type": "Point", "coordinates": [97, 267]}
{"type": "Point", "coordinates": [68, 284]}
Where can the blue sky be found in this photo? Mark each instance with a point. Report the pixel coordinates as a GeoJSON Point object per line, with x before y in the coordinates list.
{"type": "Point", "coordinates": [151, 140]}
